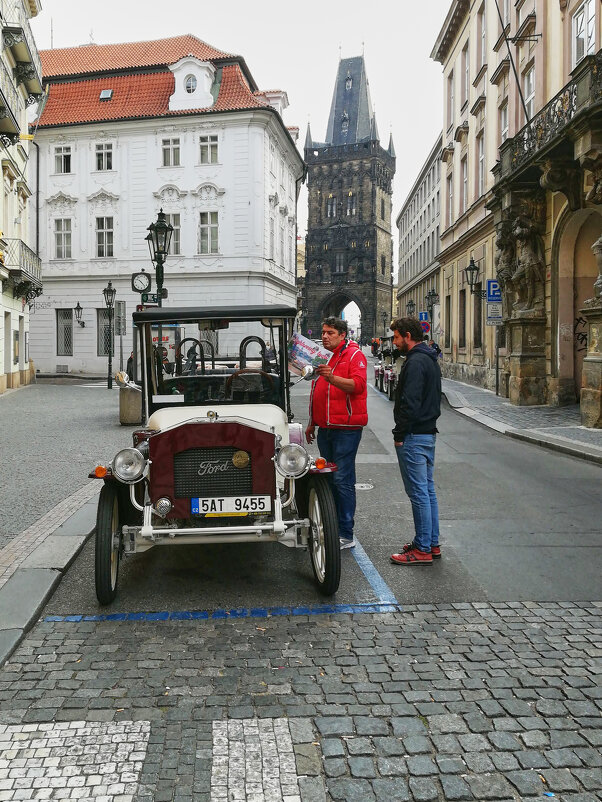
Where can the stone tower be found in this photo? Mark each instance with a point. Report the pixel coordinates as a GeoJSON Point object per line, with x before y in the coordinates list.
{"type": "Point", "coordinates": [348, 245]}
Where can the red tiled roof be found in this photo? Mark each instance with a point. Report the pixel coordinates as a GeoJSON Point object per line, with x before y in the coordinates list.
{"type": "Point", "coordinates": [136, 96]}
{"type": "Point", "coordinates": [104, 58]}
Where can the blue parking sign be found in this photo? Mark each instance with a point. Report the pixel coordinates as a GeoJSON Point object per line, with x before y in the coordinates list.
{"type": "Point", "coordinates": [494, 291]}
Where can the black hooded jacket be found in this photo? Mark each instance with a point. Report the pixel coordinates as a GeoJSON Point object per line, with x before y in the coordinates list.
{"type": "Point", "coordinates": [418, 394]}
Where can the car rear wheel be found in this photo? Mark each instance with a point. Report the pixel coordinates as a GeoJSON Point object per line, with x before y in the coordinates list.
{"type": "Point", "coordinates": [108, 544]}
{"type": "Point", "coordinates": [324, 535]}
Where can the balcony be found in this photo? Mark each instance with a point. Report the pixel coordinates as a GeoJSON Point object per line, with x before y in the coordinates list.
{"type": "Point", "coordinates": [18, 38]}
{"type": "Point", "coordinates": [9, 106]}
{"type": "Point", "coordinates": [547, 135]}
{"type": "Point", "coordinates": [24, 268]}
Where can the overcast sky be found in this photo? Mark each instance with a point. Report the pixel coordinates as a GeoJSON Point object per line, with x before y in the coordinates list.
{"type": "Point", "coordinates": [294, 47]}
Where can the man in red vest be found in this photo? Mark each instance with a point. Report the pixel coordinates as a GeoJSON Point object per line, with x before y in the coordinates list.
{"type": "Point", "coordinates": [337, 406]}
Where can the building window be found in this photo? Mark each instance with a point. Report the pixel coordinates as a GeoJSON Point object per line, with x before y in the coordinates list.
{"type": "Point", "coordinates": [344, 123]}
{"type": "Point", "coordinates": [477, 335]}
{"type": "Point", "coordinates": [339, 263]}
{"type": "Point", "coordinates": [272, 238]}
{"type": "Point", "coordinates": [450, 199]}
{"type": "Point", "coordinates": [331, 206]}
{"type": "Point", "coordinates": [464, 174]}
{"type": "Point", "coordinates": [450, 99]}
{"type": "Point", "coordinates": [350, 204]}
{"type": "Point", "coordinates": [103, 333]}
{"type": "Point", "coordinates": [462, 320]}
{"type": "Point", "coordinates": [482, 38]}
{"type": "Point", "coordinates": [171, 152]}
{"type": "Point", "coordinates": [208, 241]}
{"type": "Point", "coordinates": [465, 74]}
{"type": "Point", "coordinates": [584, 31]}
{"type": "Point", "coordinates": [529, 91]}
{"type": "Point", "coordinates": [506, 12]}
{"type": "Point", "coordinates": [104, 237]}
{"type": "Point", "coordinates": [348, 83]}
{"type": "Point", "coordinates": [272, 160]}
{"type": "Point", "coordinates": [64, 332]}
{"type": "Point", "coordinates": [62, 238]}
{"type": "Point", "coordinates": [382, 208]}
{"type": "Point", "coordinates": [448, 321]}
{"type": "Point", "coordinates": [480, 164]}
{"type": "Point", "coordinates": [190, 84]}
{"type": "Point", "coordinates": [104, 156]}
{"type": "Point", "coordinates": [174, 245]}
{"type": "Point", "coordinates": [383, 264]}
{"type": "Point", "coordinates": [62, 159]}
{"type": "Point", "coordinates": [504, 122]}
{"type": "Point", "coordinates": [209, 149]}
{"type": "Point", "coordinates": [282, 254]}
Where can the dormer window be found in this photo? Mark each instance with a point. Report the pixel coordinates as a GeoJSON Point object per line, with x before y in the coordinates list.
{"type": "Point", "coordinates": [344, 123]}
{"type": "Point", "coordinates": [190, 84]}
{"type": "Point", "coordinates": [348, 83]}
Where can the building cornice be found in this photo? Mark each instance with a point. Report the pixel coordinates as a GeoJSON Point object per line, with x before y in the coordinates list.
{"type": "Point", "coordinates": [448, 33]}
{"type": "Point", "coordinates": [424, 274]}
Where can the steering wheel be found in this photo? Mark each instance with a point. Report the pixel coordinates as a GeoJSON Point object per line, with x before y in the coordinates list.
{"type": "Point", "coordinates": [262, 373]}
{"type": "Point", "coordinates": [179, 351]}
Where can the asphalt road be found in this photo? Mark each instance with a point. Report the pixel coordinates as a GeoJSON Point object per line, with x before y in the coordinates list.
{"type": "Point", "coordinates": [518, 523]}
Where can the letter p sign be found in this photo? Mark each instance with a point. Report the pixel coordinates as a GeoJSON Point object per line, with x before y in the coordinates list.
{"type": "Point", "coordinates": [494, 291]}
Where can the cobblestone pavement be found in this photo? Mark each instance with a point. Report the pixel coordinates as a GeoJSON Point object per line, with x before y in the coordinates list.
{"type": "Point", "coordinates": [438, 702]}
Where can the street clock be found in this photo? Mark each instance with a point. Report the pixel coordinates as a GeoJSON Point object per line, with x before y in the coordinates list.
{"type": "Point", "coordinates": [141, 282]}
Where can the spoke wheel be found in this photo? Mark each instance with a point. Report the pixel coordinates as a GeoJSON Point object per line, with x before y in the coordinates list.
{"type": "Point", "coordinates": [108, 544]}
{"type": "Point", "coordinates": [324, 535]}
{"type": "Point", "coordinates": [380, 382]}
{"type": "Point", "coordinates": [391, 390]}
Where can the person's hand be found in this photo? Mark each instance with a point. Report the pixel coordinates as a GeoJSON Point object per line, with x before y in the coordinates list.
{"type": "Point", "coordinates": [310, 433]}
{"type": "Point", "coordinates": [398, 444]}
{"type": "Point", "coordinates": [325, 371]}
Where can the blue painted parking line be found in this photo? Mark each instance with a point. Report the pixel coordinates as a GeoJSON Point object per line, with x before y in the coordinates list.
{"type": "Point", "coordinates": [255, 612]}
{"type": "Point", "coordinates": [384, 594]}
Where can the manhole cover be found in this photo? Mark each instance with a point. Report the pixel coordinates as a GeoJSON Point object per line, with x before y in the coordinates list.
{"type": "Point", "coordinates": [363, 486]}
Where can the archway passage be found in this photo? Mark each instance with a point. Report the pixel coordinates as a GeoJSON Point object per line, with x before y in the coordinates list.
{"type": "Point", "coordinates": [346, 306]}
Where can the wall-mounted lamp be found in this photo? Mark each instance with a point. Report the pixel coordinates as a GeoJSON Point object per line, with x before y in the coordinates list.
{"type": "Point", "coordinates": [472, 275]}
{"type": "Point", "coordinates": [78, 316]}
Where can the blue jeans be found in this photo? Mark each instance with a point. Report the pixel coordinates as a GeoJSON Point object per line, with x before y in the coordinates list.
{"type": "Point", "coordinates": [416, 459]}
{"type": "Point", "coordinates": [340, 446]}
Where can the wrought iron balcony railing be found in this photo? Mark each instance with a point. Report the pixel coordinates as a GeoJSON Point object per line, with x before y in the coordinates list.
{"type": "Point", "coordinates": [17, 32]}
{"type": "Point", "coordinates": [10, 100]}
{"type": "Point", "coordinates": [22, 262]}
{"type": "Point", "coordinates": [549, 126]}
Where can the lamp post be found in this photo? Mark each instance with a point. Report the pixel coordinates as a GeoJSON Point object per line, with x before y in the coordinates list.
{"type": "Point", "coordinates": [410, 307]}
{"type": "Point", "coordinates": [109, 293]}
{"type": "Point", "coordinates": [472, 275]}
{"type": "Point", "coordinates": [384, 317]}
{"type": "Point", "coordinates": [432, 298]}
{"type": "Point", "coordinates": [159, 239]}
{"type": "Point", "coordinates": [78, 316]}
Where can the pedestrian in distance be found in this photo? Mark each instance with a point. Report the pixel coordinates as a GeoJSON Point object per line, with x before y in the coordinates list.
{"type": "Point", "coordinates": [417, 408]}
{"type": "Point", "coordinates": [129, 367]}
{"type": "Point", "coordinates": [435, 347]}
{"type": "Point", "coordinates": [338, 408]}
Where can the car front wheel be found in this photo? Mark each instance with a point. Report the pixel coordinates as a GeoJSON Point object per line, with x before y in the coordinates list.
{"type": "Point", "coordinates": [108, 544]}
{"type": "Point", "coordinates": [324, 535]}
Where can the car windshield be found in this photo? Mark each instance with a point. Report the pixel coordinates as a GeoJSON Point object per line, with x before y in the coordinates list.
{"type": "Point", "coordinates": [214, 362]}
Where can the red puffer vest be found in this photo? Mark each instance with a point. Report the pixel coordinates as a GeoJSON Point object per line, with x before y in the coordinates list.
{"type": "Point", "coordinates": [332, 408]}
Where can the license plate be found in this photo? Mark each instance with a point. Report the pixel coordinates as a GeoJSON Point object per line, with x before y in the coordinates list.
{"type": "Point", "coordinates": [231, 505]}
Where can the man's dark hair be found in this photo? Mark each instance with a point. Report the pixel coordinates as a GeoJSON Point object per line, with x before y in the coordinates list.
{"type": "Point", "coordinates": [409, 325]}
{"type": "Point", "coordinates": [336, 323]}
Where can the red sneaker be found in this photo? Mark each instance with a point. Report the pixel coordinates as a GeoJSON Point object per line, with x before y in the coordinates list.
{"type": "Point", "coordinates": [412, 556]}
{"type": "Point", "coordinates": [435, 551]}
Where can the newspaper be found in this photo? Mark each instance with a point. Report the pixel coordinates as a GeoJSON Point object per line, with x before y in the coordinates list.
{"type": "Point", "coordinates": [303, 351]}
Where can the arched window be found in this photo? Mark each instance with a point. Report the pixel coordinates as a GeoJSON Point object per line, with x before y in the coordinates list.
{"type": "Point", "coordinates": [348, 83]}
{"type": "Point", "coordinates": [190, 84]}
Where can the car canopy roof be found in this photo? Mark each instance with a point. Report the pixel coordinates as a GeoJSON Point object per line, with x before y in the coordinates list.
{"type": "Point", "coordinates": [186, 313]}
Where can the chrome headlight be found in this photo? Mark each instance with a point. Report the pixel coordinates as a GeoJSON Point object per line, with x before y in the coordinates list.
{"type": "Point", "coordinates": [292, 460]}
{"type": "Point", "coordinates": [129, 465]}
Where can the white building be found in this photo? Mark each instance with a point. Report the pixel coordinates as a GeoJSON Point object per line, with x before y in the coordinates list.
{"type": "Point", "coordinates": [128, 130]}
{"type": "Point", "coordinates": [20, 267]}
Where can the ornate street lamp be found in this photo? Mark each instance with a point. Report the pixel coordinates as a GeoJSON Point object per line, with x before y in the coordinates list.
{"type": "Point", "coordinates": [159, 239]}
{"type": "Point", "coordinates": [410, 307]}
{"type": "Point", "coordinates": [109, 293]}
{"type": "Point", "coordinates": [384, 317]}
{"type": "Point", "coordinates": [78, 316]}
{"type": "Point", "coordinates": [432, 298]}
{"type": "Point", "coordinates": [472, 275]}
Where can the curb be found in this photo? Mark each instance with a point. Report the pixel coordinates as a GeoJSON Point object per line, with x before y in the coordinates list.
{"type": "Point", "coordinates": [24, 595]}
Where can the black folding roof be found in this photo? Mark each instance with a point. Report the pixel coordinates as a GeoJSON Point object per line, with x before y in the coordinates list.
{"type": "Point", "coordinates": [166, 314]}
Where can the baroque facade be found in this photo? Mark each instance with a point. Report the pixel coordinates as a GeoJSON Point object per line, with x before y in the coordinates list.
{"type": "Point", "coordinates": [539, 87]}
{"type": "Point", "coordinates": [348, 244]}
{"type": "Point", "coordinates": [418, 224]}
{"type": "Point", "coordinates": [20, 266]}
{"type": "Point", "coordinates": [130, 129]}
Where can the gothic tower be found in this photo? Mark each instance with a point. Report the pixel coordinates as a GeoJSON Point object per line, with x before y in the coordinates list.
{"type": "Point", "coordinates": [348, 255]}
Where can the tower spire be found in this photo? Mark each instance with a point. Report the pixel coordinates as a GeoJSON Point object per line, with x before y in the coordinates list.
{"type": "Point", "coordinates": [309, 143]}
{"type": "Point", "coordinates": [351, 109]}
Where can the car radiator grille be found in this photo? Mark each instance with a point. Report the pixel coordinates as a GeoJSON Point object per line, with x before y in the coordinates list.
{"type": "Point", "coordinates": [200, 472]}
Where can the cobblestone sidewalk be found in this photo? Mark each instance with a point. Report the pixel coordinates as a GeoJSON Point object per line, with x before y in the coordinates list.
{"type": "Point", "coordinates": [458, 702]}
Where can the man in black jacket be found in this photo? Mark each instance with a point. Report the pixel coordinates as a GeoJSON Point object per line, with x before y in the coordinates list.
{"type": "Point", "coordinates": [417, 407]}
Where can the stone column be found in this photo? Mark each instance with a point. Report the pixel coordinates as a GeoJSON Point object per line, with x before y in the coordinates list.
{"type": "Point", "coordinates": [591, 377]}
{"type": "Point", "coordinates": [527, 384]}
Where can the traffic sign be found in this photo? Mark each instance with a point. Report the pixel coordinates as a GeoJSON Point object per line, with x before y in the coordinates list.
{"type": "Point", "coordinates": [426, 326]}
{"type": "Point", "coordinates": [150, 298]}
{"type": "Point", "coordinates": [495, 314]}
{"type": "Point", "coordinates": [423, 316]}
{"type": "Point", "coordinates": [494, 291]}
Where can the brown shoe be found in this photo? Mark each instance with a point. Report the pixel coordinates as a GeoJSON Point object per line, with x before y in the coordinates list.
{"type": "Point", "coordinates": [412, 556]}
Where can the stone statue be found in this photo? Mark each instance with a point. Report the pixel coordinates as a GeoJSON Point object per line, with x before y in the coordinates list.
{"type": "Point", "coordinates": [505, 267]}
{"type": "Point", "coordinates": [529, 276]}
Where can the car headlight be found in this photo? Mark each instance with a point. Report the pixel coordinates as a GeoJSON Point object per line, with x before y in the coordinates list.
{"type": "Point", "coordinates": [129, 465]}
{"type": "Point", "coordinates": [292, 460]}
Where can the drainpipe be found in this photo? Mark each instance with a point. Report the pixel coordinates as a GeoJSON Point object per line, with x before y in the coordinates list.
{"type": "Point", "coordinates": [33, 142]}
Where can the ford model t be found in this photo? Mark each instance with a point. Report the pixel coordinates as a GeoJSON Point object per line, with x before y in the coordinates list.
{"type": "Point", "coordinates": [217, 458]}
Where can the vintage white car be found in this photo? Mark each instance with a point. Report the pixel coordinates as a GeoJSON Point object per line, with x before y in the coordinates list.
{"type": "Point", "coordinates": [218, 458]}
